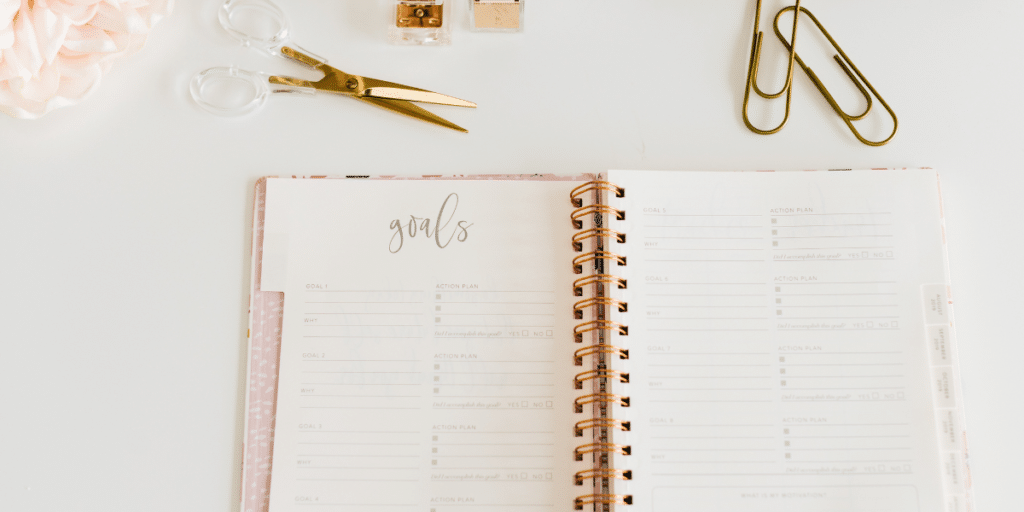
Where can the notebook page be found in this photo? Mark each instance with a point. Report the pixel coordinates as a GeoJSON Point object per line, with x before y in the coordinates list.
{"type": "Point", "coordinates": [424, 366]}
{"type": "Point", "coordinates": [778, 327]}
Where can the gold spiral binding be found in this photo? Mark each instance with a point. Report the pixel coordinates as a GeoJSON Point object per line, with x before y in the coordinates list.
{"type": "Point", "coordinates": [599, 397]}
{"type": "Point", "coordinates": [608, 499]}
{"type": "Point", "coordinates": [578, 285]}
{"type": "Point", "coordinates": [582, 377]}
{"type": "Point", "coordinates": [580, 426]}
{"type": "Point", "coordinates": [578, 238]}
{"type": "Point", "coordinates": [590, 186]}
{"type": "Point", "coordinates": [602, 423]}
{"type": "Point", "coordinates": [578, 261]}
{"type": "Point", "coordinates": [621, 474]}
{"type": "Point", "coordinates": [578, 215]}
{"type": "Point", "coordinates": [598, 349]}
{"type": "Point", "coordinates": [577, 309]}
{"type": "Point", "coordinates": [584, 449]}
{"type": "Point", "coordinates": [595, 325]}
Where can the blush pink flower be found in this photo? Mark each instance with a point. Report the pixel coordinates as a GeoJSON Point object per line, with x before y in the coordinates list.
{"type": "Point", "coordinates": [54, 52]}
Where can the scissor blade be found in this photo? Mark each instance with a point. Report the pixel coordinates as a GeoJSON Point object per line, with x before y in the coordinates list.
{"type": "Point", "coordinates": [408, 109]}
{"type": "Point", "coordinates": [374, 88]}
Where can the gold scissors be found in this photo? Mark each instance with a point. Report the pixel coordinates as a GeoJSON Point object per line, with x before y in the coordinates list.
{"type": "Point", "coordinates": [208, 86]}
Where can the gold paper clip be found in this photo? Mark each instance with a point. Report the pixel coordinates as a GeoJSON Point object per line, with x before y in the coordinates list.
{"type": "Point", "coordinates": [847, 66]}
{"type": "Point", "coordinates": [752, 68]}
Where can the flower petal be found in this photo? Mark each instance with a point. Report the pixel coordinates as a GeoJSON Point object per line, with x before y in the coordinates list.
{"type": "Point", "coordinates": [87, 38]}
{"type": "Point", "coordinates": [54, 52]}
{"type": "Point", "coordinates": [8, 8]}
{"type": "Point", "coordinates": [26, 44]}
{"type": "Point", "coordinates": [79, 14]}
{"type": "Point", "coordinates": [7, 36]}
{"type": "Point", "coordinates": [109, 18]}
{"type": "Point", "coordinates": [51, 30]}
{"type": "Point", "coordinates": [43, 86]}
{"type": "Point", "coordinates": [12, 68]}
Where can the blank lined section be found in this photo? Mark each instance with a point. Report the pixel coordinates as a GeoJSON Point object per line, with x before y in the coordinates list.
{"type": "Point", "coordinates": [807, 235]}
{"type": "Point", "coordinates": [385, 315]}
{"type": "Point", "coordinates": [678, 306]}
{"type": "Point", "coordinates": [857, 446]}
{"type": "Point", "coordinates": [333, 452]}
{"type": "Point", "coordinates": [693, 446]}
{"type": "Point", "coordinates": [360, 379]}
{"type": "Point", "coordinates": [810, 303]}
{"type": "Point", "coordinates": [491, 452]}
{"type": "Point", "coordinates": [381, 372]}
{"type": "Point", "coordinates": [810, 373]}
{"type": "Point", "coordinates": [493, 348]}
{"type": "Point", "coordinates": [468, 310]}
{"type": "Point", "coordinates": [492, 384]}
{"type": "Point", "coordinates": [693, 377]}
{"type": "Point", "coordinates": [673, 239]}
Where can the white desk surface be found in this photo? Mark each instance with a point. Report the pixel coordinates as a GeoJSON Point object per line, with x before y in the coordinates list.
{"type": "Point", "coordinates": [125, 220]}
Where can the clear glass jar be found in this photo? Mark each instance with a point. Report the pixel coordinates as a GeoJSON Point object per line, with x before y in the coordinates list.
{"type": "Point", "coordinates": [421, 22]}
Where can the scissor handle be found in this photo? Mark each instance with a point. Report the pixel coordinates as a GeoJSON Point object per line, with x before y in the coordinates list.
{"type": "Point", "coordinates": [260, 24]}
{"type": "Point", "coordinates": [230, 91]}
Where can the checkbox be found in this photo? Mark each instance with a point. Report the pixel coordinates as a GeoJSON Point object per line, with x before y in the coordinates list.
{"type": "Point", "coordinates": [523, 476]}
{"type": "Point", "coordinates": [549, 333]}
{"type": "Point", "coordinates": [778, 289]}
{"type": "Point", "coordinates": [899, 395]}
{"type": "Point", "coordinates": [864, 254]}
{"type": "Point", "coordinates": [870, 324]}
{"type": "Point", "coordinates": [437, 378]}
{"type": "Point", "coordinates": [437, 308]}
{"type": "Point", "coordinates": [437, 367]}
{"type": "Point", "coordinates": [437, 390]}
{"type": "Point", "coordinates": [895, 324]}
{"type": "Point", "coordinates": [433, 450]}
{"type": "Point", "coordinates": [437, 319]}
{"type": "Point", "coordinates": [888, 254]}
{"type": "Point", "coordinates": [549, 404]}
{"type": "Point", "coordinates": [778, 312]}
{"type": "Point", "coordinates": [782, 371]}
{"type": "Point", "coordinates": [782, 383]}
{"type": "Point", "coordinates": [775, 231]}
{"type": "Point", "coordinates": [526, 333]}
{"type": "Point", "coordinates": [874, 396]}
{"type": "Point", "coordinates": [433, 462]}
{"type": "Point", "coordinates": [526, 403]}
{"type": "Point", "coordinates": [434, 438]}
{"type": "Point", "coordinates": [778, 301]}
{"type": "Point", "coordinates": [438, 296]}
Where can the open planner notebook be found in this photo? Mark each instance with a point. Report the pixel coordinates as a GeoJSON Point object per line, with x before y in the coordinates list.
{"type": "Point", "coordinates": [624, 341]}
